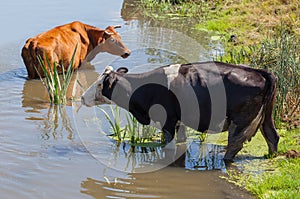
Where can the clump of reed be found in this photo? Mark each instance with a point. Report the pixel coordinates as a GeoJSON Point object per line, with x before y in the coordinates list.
{"type": "Point", "coordinates": [56, 86]}
{"type": "Point", "coordinates": [142, 135]}
{"type": "Point", "coordinates": [279, 54]}
{"type": "Point", "coordinates": [118, 132]}
{"type": "Point", "coordinates": [133, 132]}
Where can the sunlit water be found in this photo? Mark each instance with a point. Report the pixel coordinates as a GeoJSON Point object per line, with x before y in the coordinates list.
{"type": "Point", "coordinates": [42, 152]}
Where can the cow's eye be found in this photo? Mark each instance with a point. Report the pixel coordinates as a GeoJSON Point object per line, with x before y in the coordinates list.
{"type": "Point", "coordinates": [112, 39]}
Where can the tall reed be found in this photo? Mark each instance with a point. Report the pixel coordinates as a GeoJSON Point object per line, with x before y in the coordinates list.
{"type": "Point", "coordinates": [141, 134]}
{"type": "Point", "coordinates": [133, 131]}
{"type": "Point", "coordinates": [56, 87]}
{"type": "Point", "coordinates": [115, 122]}
{"type": "Point", "coordinates": [279, 54]}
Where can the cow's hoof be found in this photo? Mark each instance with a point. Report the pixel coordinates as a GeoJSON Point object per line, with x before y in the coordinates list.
{"type": "Point", "coordinates": [228, 162]}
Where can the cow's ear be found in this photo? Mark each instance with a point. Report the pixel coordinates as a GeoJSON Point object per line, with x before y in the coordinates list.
{"type": "Point", "coordinates": [122, 70]}
{"type": "Point", "coordinates": [111, 79]}
{"type": "Point", "coordinates": [108, 32]}
{"type": "Point", "coordinates": [106, 35]}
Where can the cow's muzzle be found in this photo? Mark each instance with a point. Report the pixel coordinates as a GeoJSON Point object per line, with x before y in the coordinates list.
{"type": "Point", "coordinates": [125, 55]}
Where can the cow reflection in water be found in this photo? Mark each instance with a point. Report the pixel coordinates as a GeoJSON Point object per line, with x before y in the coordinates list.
{"type": "Point", "coordinates": [54, 119]}
{"type": "Point", "coordinates": [191, 155]}
{"type": "Point", "coordinates": [169, 182]}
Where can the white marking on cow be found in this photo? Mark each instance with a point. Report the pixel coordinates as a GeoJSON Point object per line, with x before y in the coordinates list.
{"type": "Point", "coordinates": [171, 72]}
{"type": "Point", "coordinates": [108, 69]}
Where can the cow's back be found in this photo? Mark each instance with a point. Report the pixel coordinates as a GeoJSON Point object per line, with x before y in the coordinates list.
{"type": "Point", "coordinates": [59, 44]}
{"type": "Point", "coordinates": [228, 91]}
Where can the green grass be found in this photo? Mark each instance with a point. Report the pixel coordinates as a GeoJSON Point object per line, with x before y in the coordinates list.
{"type": "Point", "coordinates": [250, 20]}
{"type": "Point", "coordinates": [137, 134]}
{"type": "Point", "coordinates": [56, 87]}
{"type": "Point", "coordinates": [271, 178]}
{"type": "Point", "coordinates": [284, 183]}
{"type": "Point", "coordinates": [165, 9]}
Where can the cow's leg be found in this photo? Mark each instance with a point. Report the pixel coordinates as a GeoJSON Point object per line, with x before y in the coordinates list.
{"type": "Point", "coordinates": [181, 132]}
{"type": "Point", "coordinates": [267, 127]}
{"type": "Point", "coordinates": [270, 134]}
{"type": "Point", "coordinates": [169, 130]}
{"type": "Point", "coordinates": [168, 135]}
{"type": "Point", "coordinates": [236, 140]}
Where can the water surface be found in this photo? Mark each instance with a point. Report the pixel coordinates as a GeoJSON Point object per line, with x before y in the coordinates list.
{"type": "Point", "coordinates": [41, 150]}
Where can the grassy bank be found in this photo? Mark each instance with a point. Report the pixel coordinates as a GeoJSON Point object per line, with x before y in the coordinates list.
{"type": "Point", "coordinates": [274, 178]}
{"type": "Point", "coordinates": [249, 20]}
{"type": "Point", "coordinates": [262, 34]}
{"type": "Point", "coordinates": [258, 33]}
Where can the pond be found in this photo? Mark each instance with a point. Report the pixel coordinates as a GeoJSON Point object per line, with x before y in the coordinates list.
{"type": "Point", "coordinates": [61, 152]}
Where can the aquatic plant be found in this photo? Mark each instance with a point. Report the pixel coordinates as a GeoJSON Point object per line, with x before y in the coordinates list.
{"type": "Point", "coordinates": [56, 87]}
{"type": "Point", "coordinates": [115, 122]}
{"type": "Point", "coordinates": [133, 131]}
{"type": "Point", "coordinates": [142, 135]}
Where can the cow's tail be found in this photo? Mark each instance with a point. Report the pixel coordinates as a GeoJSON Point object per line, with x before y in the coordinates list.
{"type": "Point", "coordinates": [267, 126]}
{"type": "Point", "coordinates": [28, 59]}
{"type": "Point", "coordinates": [270, 93]}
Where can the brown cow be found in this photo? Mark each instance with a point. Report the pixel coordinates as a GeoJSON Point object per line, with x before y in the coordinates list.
{"type": "Point", "coordinates": [59, 44]}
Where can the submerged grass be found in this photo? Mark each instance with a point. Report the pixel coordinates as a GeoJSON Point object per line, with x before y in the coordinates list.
{"type": "Point", "coordinates": [56, 87]}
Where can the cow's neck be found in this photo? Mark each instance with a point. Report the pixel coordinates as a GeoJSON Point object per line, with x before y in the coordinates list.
{"type": "Point", "coordinates": [126, 85]}
{"type": "Point", "coordinates": [95, 36]}
{"type": "Point", "coordinates": [91, 54]}
{"type": "Point", "coordinates": [120, 93]}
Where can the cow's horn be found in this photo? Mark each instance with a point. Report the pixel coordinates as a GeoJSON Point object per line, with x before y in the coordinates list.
{"type": "Point", "coordinates": [117, 26]}
{"type": "Point", "coordinates": [108, 69]}
{"type": "Point", "coordinates": [109, 33]}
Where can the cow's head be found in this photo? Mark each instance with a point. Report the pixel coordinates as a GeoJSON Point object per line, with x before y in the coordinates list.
{"type": "Point", "coordinates": [112, 43]}
{"type": "Point", "coordinates": [94, 94]}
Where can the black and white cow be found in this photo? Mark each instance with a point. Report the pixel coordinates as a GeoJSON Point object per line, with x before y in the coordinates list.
{"type": "Point", "coordinates": [208, 96]}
